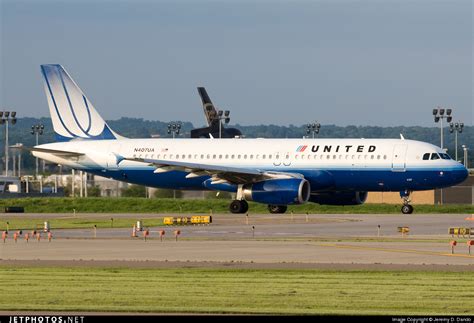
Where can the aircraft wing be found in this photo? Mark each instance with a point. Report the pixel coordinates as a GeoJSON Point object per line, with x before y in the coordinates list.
{"type": "Point", "coordinates": [219, 173]}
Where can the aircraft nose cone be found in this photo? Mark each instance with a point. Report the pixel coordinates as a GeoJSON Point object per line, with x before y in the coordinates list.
{"type": "Point", "coordinates": [460, 174]}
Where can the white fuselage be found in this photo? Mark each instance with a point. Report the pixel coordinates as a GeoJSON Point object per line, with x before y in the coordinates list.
{"type": "Point", "coordinates": [386, 164]}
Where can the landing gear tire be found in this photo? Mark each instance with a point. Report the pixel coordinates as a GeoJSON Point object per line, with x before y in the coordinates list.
{"type": "Point", "coordinates": [238, 206]}
{"type": "Point", "coordinates": [407, 209]}
{"type": "Point", "coordinates": [277, 209]}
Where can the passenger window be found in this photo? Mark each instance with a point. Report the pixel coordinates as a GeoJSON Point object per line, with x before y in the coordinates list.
{"type": "Point", "coordinates": [251, 156]}
{"type": "Point", "coordinates": [426, 156]}
{"type": "Point", "coordinates": [208, 156]}
{"type": "Point", "coordinates": [220, 156]}
{"type": "Point", "coordinates": [233, 156]}
{"type": "Point", "coordinates": [245, 156]}
{"type": "Point", "coordinates": [434, 156]}
{"type": "Point", "coordinates": [269, 156]}
{"type": "Point", "coordinates": [226, 156]}
{"type": "Point", "coordinates": [213, 156]}
{"type": "Point", "coordinates": [264, 156]}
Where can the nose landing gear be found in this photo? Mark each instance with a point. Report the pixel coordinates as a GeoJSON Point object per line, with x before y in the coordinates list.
{"type": "Point", "coordinates": [406, 208]}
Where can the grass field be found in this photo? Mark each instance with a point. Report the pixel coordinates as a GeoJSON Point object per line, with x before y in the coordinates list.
{"type": "Point", "coordinates": [236, 291]}
{"type": "Point", "coordinates": [143, 205]}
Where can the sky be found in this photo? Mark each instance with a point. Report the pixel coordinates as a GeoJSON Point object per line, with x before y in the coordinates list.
{"type": "Point", "coordinates": [384, 63]}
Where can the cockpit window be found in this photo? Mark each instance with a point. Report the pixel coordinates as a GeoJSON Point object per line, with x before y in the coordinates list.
{"type": "Point", "coordinates": [426, 156]}
{"type": "Point", "coordinates": [445, 156]}
{"type": "Point", "coordinates": [434, 156]}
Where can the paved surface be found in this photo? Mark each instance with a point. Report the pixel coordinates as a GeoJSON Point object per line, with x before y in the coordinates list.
{"type": "Point", "coordinates": [239, 251]}
{"type": "Point", "coordinates": [227, 226]}
{"type": "Point", "coordinates": [285, 239]}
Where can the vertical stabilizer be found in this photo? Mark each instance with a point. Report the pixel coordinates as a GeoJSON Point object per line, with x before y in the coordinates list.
{"type": "Point", "coordinates": [72, 114]}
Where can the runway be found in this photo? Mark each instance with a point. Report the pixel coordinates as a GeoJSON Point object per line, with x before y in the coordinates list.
{"type": "Point", "coordinates": [269, 240]}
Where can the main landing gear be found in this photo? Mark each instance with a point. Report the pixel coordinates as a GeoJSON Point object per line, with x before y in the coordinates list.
{"type": "Point", "coordinates": [239, 206]}
{"type": "Point", "coordinates": [277, 208]}
{"type": "Point", "coordinates": [406, 208]}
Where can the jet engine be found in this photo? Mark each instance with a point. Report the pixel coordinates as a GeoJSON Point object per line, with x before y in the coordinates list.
{"type": "Point", "coordinates": [278, 191]}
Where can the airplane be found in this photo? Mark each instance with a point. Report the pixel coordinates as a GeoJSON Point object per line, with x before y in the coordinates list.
{"type": "Point", "coordinates": [215, 127]}
{"type": "Point", "coordinates": [276, 172]}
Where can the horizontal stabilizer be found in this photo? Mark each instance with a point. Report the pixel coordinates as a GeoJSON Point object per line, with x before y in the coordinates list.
{"type": "Point", "coordinates": [61, 153]}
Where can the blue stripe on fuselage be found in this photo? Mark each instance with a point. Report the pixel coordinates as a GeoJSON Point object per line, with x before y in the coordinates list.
{"type": "Point", "coordinates": [320, 179]}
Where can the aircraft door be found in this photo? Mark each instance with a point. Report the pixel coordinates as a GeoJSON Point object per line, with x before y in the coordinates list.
{"type": "Point", "coordinates": [399, 158]}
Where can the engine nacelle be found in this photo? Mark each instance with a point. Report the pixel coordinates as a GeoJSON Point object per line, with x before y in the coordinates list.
{"type": "Point", "coordinates": [278, 191]}
{"type": "Point", "coordinates": [339, 198]}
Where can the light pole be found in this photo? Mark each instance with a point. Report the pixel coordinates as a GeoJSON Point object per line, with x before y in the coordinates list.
{"type": "Point", "coordinates": [313, 127]}
{"type": "Point", "coordinates": [456, 128]}
{"type": "Point", "coordinates": [439, 115]}
{"type": "Point", "coordinates": [222, 115]}
{"type": "Point", "coordinates": [37, 130]}
{"type": "Point", "coordinates": [5, 118]}
{"type": "Point", "coordinates": [174, 128]}
{"type": "Point", "coordinates": [17, 147]}
{"type": "Point", "coordinates": [464, 147]}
